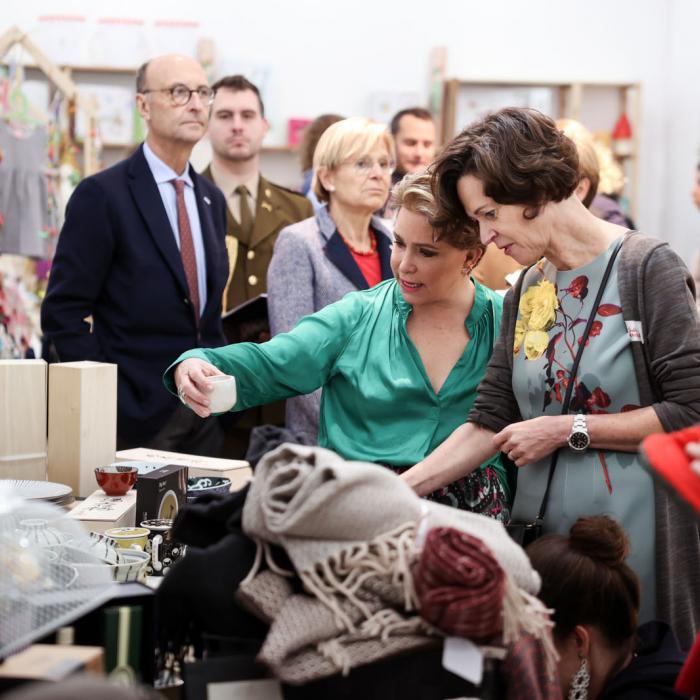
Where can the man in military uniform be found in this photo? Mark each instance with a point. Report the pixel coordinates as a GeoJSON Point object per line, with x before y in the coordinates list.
{"type": "Point", "coordinates": [257, 211]}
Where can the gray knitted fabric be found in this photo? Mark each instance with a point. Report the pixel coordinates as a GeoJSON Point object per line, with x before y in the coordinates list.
{"type": "Point", "coordinates": [352, 531]}
{"type": "Point", "coordinates": [306, 642]}
{"type": "Point", "coordinates": [319, 507]}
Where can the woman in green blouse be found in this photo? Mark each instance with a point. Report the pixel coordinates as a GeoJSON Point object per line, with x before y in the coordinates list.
{"type": "Point", "coordinates": [399, 363]}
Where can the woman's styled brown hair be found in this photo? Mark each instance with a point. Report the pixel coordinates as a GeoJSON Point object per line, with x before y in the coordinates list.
{"type": "Point", "coordinates": [520, 157]}
{"type": "Point", "coordinates": [586, 580]}
{"type": "Point", "coordinates": [413, 192]}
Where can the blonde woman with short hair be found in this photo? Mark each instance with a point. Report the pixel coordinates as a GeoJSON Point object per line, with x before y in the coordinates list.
{"type": "Point", "coordinates": [399, 363]}
{"type": "Point", "coordinates": [341, 249]}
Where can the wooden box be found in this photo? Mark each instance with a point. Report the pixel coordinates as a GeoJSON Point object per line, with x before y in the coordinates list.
{"type": "Point", "coordinates": [23, 419]}
{"type": "Point", "coordinates": [82, 422]}
{"type": "Point", "coordinates": [52, 662]}
{"type": "Point", "coordinates": [99, 512]}
{"type": "Point", "coordinates": [237, 470]}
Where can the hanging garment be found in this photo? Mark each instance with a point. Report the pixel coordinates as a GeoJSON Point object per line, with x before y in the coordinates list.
{"type": "Point", "coordinates": [23, 192]}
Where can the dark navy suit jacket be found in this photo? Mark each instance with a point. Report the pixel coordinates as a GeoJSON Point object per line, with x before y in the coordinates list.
{"type": "Point", "coordinates": [117, 260]}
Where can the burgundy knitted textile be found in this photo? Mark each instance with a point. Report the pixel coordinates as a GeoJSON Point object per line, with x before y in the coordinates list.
{"type": "Point", "coordinates": [460, 585]}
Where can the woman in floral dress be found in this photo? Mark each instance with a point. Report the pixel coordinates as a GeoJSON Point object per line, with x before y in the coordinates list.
{"type": "Point", "coordinates": [512, 176]}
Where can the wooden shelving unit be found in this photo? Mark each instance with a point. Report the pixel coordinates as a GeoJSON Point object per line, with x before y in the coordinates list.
{"type": "Point", "coordinates": [63, 82]}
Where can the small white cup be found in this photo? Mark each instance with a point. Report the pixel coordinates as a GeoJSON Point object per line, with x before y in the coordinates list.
{"type": "Point", "coordinates": [223, 393]}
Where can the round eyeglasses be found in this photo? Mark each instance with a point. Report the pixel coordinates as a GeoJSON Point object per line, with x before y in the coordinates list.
{"type": "Point", "coordinates": [180, 95]}
{"type": "Point", "coordinates": [364, 166]}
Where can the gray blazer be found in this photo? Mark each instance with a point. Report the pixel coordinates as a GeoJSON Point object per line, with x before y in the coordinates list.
{"type": "Point", "coordinates": [312, 267]}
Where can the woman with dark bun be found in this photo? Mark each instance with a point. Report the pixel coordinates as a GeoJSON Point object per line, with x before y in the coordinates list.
{"type": "Point", "coordinates": [595, 597]}
{"type": "Point", "coordinates": [512, 176]}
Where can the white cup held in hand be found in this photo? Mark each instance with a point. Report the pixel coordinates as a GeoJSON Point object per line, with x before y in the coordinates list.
{"type": "Point", "coordinates": [223, 393]}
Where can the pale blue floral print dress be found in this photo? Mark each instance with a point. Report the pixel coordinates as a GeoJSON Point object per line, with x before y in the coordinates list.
{"type": "Point", "coordinates": [552, 315]}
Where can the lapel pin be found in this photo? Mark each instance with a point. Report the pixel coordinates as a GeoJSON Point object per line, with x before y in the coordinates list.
{"type": "Point", "coordinates": [207, 200]}
{"type": "Point", "coordinates": [268, 193]}
{"type": "Point", "coordinates": [265, 205]}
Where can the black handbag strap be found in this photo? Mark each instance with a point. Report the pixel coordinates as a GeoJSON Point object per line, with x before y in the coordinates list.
{"type": "Point", "coordinates": [574, 370]}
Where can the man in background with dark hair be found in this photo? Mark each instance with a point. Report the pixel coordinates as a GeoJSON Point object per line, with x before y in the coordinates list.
{"type": "Point", "coordinates": [140, 264]}
{"type": "Point", "coordinates": [414, 133]}
{"type": "Point", "coordinates": [257, 209]}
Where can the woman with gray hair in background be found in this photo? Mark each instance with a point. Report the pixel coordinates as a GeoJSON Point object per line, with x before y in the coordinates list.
{"type": "Point", "coordinates": [343, 248]}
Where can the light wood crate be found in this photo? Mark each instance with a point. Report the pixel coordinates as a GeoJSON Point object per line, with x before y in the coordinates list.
{"type": "Point", "coordinates": [82, 422]}
{"type": "Point", "coordinates": [23, 419]}
{"type": "Point", "coordinates": [238, 470]}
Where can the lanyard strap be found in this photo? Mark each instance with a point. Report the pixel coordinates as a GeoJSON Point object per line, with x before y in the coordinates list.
{"type": "Point", "coordinates": [574, 370]}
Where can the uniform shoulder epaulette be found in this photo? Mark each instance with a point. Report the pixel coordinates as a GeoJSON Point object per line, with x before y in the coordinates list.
{"type": "Point", "coordinates": [288, 190]}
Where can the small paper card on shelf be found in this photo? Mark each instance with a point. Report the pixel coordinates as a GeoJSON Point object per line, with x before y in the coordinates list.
{"type": "Point", "coordinates": [295, 130]}
{"type": "Point", "coordinates": [99, 512]}
{"type": "Point", "coordinates": [238, 470]}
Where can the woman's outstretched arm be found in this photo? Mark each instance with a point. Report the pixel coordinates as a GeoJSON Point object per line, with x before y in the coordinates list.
{"type": "Point", "coordinates": [469, 446]}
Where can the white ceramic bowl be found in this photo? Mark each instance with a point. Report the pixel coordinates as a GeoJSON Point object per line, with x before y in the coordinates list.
{"type": "Point", "coordinates": [132, 566]}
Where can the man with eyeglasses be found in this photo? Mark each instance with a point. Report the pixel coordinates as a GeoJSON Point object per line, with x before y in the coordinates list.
{"type": "Point", "coordinates": [141, 263]}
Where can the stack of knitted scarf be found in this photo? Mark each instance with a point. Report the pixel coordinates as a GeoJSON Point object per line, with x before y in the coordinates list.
{"type": "Point", "coordinates": [460, 585]}
{"type": "Point", "coordinates": [351, 531]}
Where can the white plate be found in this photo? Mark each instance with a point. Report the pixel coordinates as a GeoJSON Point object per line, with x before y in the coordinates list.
{"type": "Point", "coordinates": [38, 490]}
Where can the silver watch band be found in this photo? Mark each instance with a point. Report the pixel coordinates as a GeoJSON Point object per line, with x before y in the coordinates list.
{"type": "Point", "coordinates": [580, 423]}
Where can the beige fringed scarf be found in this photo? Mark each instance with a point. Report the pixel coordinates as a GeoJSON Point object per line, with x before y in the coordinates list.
{"type": "Point", "coordinates": [351, 531]}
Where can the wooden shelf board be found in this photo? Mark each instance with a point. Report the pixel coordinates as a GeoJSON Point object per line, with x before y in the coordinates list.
{"type": "Point", "coordinates": [83, 69]}
{"type": "Point", "coordinates": [544, 83]}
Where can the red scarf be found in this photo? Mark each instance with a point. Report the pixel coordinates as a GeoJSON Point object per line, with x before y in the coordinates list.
{"type": "Point", "coordinates": [460, 585]}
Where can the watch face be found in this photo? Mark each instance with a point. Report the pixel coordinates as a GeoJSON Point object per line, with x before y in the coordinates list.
{"type": "Point", "coordinates": [579, 440]}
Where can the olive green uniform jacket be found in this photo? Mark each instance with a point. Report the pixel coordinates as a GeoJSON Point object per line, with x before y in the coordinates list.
{"type": "Point", "coordinates": [276, 208]}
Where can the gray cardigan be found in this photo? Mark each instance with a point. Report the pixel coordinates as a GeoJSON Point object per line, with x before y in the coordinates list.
{"type": "Point", "coordinates": [311, 268]}
{"type": "Point", "coordinates": [656, 291]}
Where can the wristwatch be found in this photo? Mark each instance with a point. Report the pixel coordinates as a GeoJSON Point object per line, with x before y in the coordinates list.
{"type": "Point", "coordinates": [578, 439]}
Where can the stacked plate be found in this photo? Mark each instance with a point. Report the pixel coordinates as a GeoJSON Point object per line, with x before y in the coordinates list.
{"type": "Point", "coordinates": [48, 491]}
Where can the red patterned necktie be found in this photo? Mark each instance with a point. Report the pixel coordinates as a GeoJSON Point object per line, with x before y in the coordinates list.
{"type": "Point", "coordinates": [189, 260]}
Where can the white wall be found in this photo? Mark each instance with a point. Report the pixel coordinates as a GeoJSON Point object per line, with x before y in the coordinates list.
{"type": "Point", "coordinates": [329, 56]}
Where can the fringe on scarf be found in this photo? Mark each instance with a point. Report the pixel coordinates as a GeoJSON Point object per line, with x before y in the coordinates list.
{"type": "Point", "coordinates": [262, 548]}
{"type": "Point", "coordinates": [381, 625]}
{"type": "Point", "coordinates": [524, 613]}
{"type": "Point", "coordinates": [386, 558]}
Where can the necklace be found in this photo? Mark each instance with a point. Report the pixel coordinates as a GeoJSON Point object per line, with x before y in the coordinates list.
{"type": "Point", "coordinates": [372, 244]}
